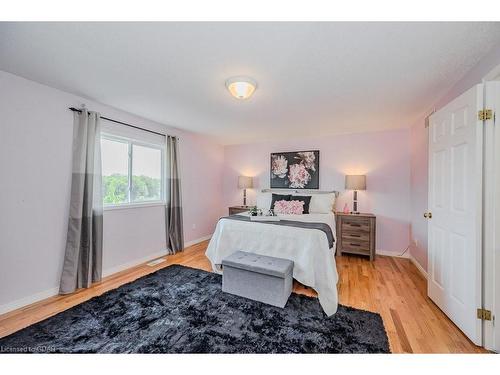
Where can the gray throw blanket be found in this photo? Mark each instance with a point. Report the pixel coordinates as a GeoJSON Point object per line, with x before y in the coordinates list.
{"type": "Point", "coordinates": [325, 228]}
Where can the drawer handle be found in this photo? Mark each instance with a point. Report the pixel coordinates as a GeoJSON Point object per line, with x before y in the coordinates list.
{"type": "Point", "coordinates": [355, 225]}
{"type": "Point", "coordinates": [355, 235]}
{"type": "Point", "coordinates": [355, 244]}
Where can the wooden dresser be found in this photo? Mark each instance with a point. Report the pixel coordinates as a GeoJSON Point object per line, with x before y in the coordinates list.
{"type": "Point", "coordinates": [233, 210]}
{"type": "Point", "coordinates": [356, 234]}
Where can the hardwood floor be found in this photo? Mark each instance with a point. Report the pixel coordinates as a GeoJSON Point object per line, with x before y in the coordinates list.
{"type": "Point", "coordinates": [392, 287]}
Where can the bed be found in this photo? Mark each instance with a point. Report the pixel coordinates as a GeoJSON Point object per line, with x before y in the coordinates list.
{"type": "Point", "coordinates": [314, 260]}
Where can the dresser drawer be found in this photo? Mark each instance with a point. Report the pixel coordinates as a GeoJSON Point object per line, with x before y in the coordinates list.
{"type": "Point", "coordinates": [354, 246]}
{"type": "Point", "coordinates": [355, 225]}
{"type": "Point", "coordinates": [350, 235]}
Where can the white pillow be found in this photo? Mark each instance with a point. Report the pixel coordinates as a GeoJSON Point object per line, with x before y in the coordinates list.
{"type": "Point", "coordinates": [320, 203]}
{"type": "Point", "coordinates": [263, 200]}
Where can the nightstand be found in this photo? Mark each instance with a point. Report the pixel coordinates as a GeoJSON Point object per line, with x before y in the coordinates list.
{"type": "Point", "coordinates": [233, 210]}
{"type": "Point", "coordinates": [356, 234]}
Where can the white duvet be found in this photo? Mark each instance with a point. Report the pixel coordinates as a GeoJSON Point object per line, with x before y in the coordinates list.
{"type": "Point", "coordinates": [314, 262]}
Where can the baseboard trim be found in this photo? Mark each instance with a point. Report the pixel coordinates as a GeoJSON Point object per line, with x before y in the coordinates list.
{"type": "Point", "coordinates": [37, 297]}
{"type": "Point", "coordinates": [391, 254]}
{"type": "Point", "coordinates": [197, 241]}
{"type": "Point", "coordinates": [418, 266]}
{"type": "Point", "coordinates": [133, 263]}
{"type": "Point", "coordinates": [25, 301]}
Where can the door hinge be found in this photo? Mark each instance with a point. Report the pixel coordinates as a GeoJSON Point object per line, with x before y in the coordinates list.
{"type": "Point", "coordinates": [483, 314]}
{"type": "Point", "coordinates": [485, 114]}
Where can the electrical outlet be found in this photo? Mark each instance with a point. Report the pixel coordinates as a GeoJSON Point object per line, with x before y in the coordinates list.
{"type": "Point", "coordinates": [193, 226]}
{"type": "Point", "coordinates": [415, 241]}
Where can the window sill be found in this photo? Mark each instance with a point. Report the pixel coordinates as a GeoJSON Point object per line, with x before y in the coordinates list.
{"type": "Point", "coordinates": [133, 205]}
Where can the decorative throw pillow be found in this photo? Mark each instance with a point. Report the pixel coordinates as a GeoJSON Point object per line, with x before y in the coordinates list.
{"type": "Point", "coordinates": [322, 203]}
{"type": "Point", "coordinates": [289, 207]}
{"type": "Point", "coordinates": [279, 197]}
{"type": "Point", "coordinates": [305, 199]}
{"type": "Point", "coordinates": [263, 200]}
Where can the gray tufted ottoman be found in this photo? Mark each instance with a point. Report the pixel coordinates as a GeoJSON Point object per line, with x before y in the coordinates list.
{"type": "Point", "coordinates": [258, 277]}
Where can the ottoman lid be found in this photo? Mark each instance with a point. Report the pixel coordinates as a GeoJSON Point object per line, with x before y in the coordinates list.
{"type": "Point", "coordinates": [259, 263]}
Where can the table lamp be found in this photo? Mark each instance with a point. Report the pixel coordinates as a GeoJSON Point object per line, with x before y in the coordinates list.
{"type": "Point", "coordinates": [355, 182]}
{"type": "Point", "coordinates": [245, 182]}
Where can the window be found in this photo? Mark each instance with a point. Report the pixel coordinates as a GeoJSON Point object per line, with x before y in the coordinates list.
{"type": "Point", "coordinates": [115, 162]}
{"type": "Point", "coordinates": [132, 171]}
{"type": "Point", "coordinates": [146, 174]}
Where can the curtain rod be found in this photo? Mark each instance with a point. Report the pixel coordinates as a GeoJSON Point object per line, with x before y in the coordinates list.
{"type": "Point", "coordinates": [120, 122]}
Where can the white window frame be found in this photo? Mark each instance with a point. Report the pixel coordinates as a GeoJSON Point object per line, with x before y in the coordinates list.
{"type": "Point", "coordinates": [130, 143]}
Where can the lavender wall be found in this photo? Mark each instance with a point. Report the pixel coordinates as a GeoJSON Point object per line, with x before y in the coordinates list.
{"type": "Point", "coordinates": [419, 156]}
{"type": "Point", "coordinates": [418, 193]}
{"type": "Point", "coordinates": [35, 169]}
{"type": "Point", "coordinates": [383, 156]}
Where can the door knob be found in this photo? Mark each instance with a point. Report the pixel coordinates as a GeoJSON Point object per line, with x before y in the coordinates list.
{"type": "Point", "coordinates": [428, 215]}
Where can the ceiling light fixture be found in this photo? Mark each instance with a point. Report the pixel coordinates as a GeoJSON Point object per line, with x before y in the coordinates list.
{"type": "Point", "coordinates": [241, 87]}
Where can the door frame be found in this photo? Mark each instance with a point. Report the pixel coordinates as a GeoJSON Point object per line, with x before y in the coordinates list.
{"type": "Point", "coordinates": [491, 227]}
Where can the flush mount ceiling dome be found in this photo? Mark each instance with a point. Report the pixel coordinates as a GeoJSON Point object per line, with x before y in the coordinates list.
{"type": "Point", "coordinates": [241, 87]}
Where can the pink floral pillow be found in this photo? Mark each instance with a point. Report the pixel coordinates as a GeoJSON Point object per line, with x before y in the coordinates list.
{"type": "Point", "coordinates": [289, 207]}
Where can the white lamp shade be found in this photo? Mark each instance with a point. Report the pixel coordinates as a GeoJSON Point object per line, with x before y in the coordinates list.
{"type": "Point", "coordinates": [355, 182]}
{"type": "Point", "coordinates": [245, 182]}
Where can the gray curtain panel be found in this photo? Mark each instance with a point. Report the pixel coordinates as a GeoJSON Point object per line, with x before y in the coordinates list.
{"type": "Point", "coordinates": [83, 258]}
{"type": "Point", "coordinates": [173, 208]}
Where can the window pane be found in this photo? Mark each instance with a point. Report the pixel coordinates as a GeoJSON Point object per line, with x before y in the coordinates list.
{"type": "Point", "coordinates": [114, 171]}
{"type": "Point", "coordinates": [146, 174]}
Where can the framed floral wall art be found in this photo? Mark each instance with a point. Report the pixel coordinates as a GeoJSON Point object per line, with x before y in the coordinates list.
{"type": "Point", "coordinates": [295, 170]}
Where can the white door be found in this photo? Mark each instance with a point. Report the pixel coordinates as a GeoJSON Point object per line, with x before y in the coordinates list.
{"type": "Point", "coordinates": [455, 203]}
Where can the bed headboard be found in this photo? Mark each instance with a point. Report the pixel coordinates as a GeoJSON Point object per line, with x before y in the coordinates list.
{"type": "Point", "coordinates": [305, 191]}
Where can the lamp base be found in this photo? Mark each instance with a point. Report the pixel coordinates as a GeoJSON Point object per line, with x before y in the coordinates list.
{"type": "Point", "coordinates": [355, 203]}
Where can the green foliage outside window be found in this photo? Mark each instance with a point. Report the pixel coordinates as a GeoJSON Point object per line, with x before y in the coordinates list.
{"type": "Point", "coordinates": [144, 188]}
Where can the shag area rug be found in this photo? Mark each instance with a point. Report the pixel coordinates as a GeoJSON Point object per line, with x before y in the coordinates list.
{"type": "Point", "coordinates": [183, 310]}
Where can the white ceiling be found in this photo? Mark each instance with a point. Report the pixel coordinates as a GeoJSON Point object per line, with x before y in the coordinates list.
{"type": "Point", "coordinates": [313, 78]}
